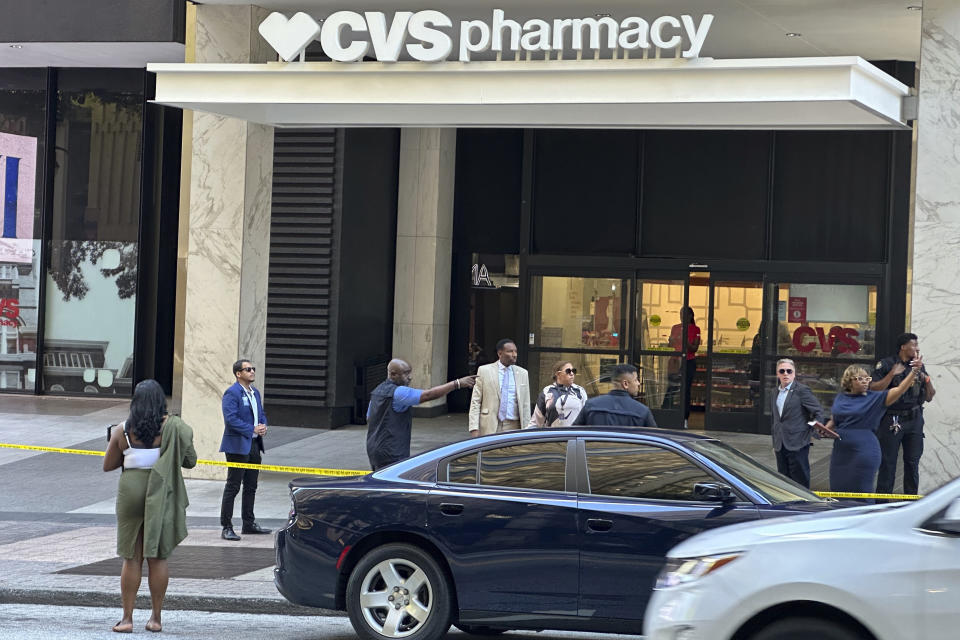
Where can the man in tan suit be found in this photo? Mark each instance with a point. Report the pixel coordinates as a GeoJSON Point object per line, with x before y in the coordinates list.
{"type": "Point", "coordinates": [501, 396]}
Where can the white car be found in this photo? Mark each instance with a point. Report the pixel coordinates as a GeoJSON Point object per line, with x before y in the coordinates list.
{"type": "Point", "coordinates": [879, 572]}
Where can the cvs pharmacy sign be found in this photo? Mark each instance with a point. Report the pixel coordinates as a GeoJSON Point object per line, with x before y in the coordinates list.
{"type": "Point", "coordinates": [428, 36]}
{"type": "Point", "coordinates": [806, 339]}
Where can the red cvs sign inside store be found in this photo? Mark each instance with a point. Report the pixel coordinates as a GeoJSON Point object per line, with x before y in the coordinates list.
{"type": "Point", "coordinates": [9, 311]}
{"type": "Point", "coordinates": [837, 340]}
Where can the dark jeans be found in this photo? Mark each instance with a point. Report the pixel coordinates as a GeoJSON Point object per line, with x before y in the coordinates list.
{"type": "Point", "coordinates": [795, 464]}
{"type": "Point", "coordinates": [248, 477]}
{"type": "Point", "coordinates": [674, 381]}
{"type": "Point", "coordinates": [911, 437]}
{"type": "Point", "coordinates": [691, 371]}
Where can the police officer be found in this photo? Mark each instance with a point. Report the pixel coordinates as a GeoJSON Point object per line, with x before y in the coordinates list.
{"type": "Point", "coordinates": [903, 422]}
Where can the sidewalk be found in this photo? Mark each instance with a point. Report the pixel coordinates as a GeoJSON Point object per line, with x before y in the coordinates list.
{"type": "Point", "coordinates": [57, 535]}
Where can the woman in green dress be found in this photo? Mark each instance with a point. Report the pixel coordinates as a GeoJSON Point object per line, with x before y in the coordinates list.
{"type": "Point", "coordinates": [150, 447]}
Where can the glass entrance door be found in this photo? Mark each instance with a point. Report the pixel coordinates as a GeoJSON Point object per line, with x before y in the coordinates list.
{"type": "Point", "coordinates": [734, 380]}
{"type": "Point", "coordinates": [701, 367]}
{"type": "Point", "coordinates": [658, 327]}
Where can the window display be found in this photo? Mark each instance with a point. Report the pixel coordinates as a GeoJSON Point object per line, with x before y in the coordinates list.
{"type": "Point", "coordinates": [578, 313]}
{"type": "Point", "coordinates": [22, 127]}
{"type": "Point", "coordinates": [92, 257]}
{"type": "Point", "coordinates": [826, 321]}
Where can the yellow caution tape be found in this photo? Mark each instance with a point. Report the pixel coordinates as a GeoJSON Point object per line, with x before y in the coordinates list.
{"type": "Point", "coordinates": [881, 496]}
{"type": "Point", "coordinates": [281, 469]}
{"type": "Point", "coordinates": [28, 447]}
{"type": "Point", "coordinates": [312, 471]}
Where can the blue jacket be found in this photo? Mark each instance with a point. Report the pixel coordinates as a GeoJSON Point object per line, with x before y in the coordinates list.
{"type": "Point", "coordinates": [238, 420]}
{"type": "Point", "coordinates": [616, 408]}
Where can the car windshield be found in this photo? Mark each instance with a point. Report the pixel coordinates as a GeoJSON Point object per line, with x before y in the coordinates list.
{"type": "Point", "coordinates": [768, 483]}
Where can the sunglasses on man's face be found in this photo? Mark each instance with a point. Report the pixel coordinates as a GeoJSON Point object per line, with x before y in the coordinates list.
{"type": "Point", "coordinates": [570, 371]}
{"type": "Point", "coordinates": [249, 369]}
{"type": "Point", "coordinates": [786, 370]}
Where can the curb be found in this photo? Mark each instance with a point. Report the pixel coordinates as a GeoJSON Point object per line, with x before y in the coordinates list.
{"type": "Point", "coordinates": [172, 602]}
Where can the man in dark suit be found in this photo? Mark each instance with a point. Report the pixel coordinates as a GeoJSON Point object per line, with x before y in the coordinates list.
{"type": "Point", "coordinates": [796, 412]}
{"type": "Point", "coordinates": [244, 425]}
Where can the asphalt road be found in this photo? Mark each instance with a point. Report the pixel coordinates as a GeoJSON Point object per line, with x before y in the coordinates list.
{"type": "Point", "coordinates": [45, 622]}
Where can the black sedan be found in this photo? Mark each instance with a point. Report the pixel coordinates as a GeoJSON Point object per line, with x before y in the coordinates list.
{"type": "Point", "coordinates": [531, 529]}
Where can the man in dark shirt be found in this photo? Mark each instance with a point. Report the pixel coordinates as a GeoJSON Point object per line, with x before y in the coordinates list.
{"type": "Point", "coordinates": [388, 416]}
{"type": "Point", "coordinates": [619, 407]}
{"type": "Point", "coordinates": [903, 422]}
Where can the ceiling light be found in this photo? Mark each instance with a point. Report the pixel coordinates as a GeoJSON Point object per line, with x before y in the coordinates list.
{"type": "Point", "coordinates": [914, 7]}
{"type": "Point", "coordinates": [16, 46]}
{"type": "Point", "coordinates": [602, 15]}
{"type": "Point", "coordinates": [794, 34]}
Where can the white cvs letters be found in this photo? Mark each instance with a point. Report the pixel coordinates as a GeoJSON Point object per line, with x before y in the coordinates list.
{"type": "Point", "coordinates": [347, 36]}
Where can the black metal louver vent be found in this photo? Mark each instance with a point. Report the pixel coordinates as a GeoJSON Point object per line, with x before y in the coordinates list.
{"type": "Point", "coordinates": [301, 264]}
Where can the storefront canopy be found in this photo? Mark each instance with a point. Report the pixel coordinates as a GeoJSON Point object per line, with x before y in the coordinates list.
{"type": "Point", "coordinates": [769, 93]}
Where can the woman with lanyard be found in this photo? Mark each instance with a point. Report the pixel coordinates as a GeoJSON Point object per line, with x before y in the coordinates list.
{"type": "Point", "coordinates": [559, 404]}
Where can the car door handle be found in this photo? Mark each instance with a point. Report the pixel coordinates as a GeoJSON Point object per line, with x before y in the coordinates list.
{"type": "Point", "coordinates": [598, 524]}
{"type": "Point", "coordinates": [451, 509]}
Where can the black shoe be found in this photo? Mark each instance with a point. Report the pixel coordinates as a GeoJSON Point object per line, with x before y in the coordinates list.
{"type": "Point", "coordinates": [254, 528]}
{"type": "Point", "coordinates": [228, 534]}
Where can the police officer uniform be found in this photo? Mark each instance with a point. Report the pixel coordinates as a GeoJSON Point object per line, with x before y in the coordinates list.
{"type": "Point", "coordinates": [908, 412]}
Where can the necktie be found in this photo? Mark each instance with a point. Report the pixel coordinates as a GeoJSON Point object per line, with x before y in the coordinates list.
{"type": "Point", "coordinates": [504, 389]}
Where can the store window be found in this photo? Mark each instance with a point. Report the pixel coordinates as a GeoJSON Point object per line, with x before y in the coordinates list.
{"type": "Point", "coordinates": [824, 328]}
{"type": "Point", "coordinates": [579, 313]}
{"type": "Point", "coordinates": [92, 257]}
{"type": "Point", "coordinates": [826, 321]}
{"type": "Point", "coordinates": [23, 119]}
{"type": "Point", "coordinates": [581, 321]}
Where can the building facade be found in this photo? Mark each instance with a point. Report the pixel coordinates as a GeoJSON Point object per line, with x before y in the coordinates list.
{"type": "Point", "coordinates": [568, 181]}
{"type": "Point", "coordinates": [88, 168]}
{"type": "Point", "coordinates": [573, 199]}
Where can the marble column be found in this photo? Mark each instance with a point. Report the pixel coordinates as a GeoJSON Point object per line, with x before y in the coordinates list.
{"type": "Point", "coordinates": [935, 295]}
{"type": "Point", "coordinates": [225, 312]}
{"type": "Point", "coordinates": [421, 308]}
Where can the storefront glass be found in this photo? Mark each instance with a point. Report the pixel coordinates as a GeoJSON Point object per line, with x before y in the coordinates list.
{"type": "Point", "coordinates": [582, 320]}
{"type": "Point", "coordinates": [92, 276]}
{"type": "Point", "coordinates": [826, 321]}
{"type": "Point", "coordinates": [579, 313]}
{"type": "Point", "coordinates": [23, 120]}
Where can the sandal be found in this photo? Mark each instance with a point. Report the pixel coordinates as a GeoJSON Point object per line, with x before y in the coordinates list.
{"type": "Point", "coordinates": [155, 629]}
{"type": "Point", "coordinates": [116, 630]}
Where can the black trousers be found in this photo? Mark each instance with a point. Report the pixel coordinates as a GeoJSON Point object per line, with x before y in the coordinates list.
{"type": "Point", "coordinates": [911, 437]}
{"type": "Point", "coordinates": [691, 371]}
{"type": "Point", "coordinates": [795, 464]}
{"type": "Point", "coordinates": [236, 477]}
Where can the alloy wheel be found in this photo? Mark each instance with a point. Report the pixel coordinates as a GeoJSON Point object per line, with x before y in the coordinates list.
{"type": "Point", "coordinates": [396, 598]}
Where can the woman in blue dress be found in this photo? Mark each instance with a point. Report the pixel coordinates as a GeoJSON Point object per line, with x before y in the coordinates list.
{"type": "Point", "coordinates": [857, 412]}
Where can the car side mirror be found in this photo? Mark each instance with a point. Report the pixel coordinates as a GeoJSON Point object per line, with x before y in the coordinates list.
{"type": "Point", "coordinates": [713, 492]}
{"type": "Point", "coordinates": [949, 522]}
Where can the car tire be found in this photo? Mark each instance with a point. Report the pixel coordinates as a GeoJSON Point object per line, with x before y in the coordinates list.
{"type": "Point", "coordinates": [398, 591]}
{"type": "Point", "coordinates": [478, 630]}
{"type": "Point", "coordinates": [806, 628]}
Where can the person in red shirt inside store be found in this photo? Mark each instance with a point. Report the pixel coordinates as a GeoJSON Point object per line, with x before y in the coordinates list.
{"type": "Point", "coordinates": [689, 347]}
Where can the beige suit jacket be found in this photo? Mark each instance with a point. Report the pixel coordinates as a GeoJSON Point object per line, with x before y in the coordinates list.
{"type": "Point", "coordinates": [485, 401]}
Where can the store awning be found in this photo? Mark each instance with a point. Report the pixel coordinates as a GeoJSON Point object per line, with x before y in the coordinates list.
{"type": "Point", "coordinates": [769, 93]}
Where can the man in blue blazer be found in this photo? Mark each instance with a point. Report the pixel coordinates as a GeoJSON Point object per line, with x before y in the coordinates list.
{"type": "Point", "coordinates": [244, 425]}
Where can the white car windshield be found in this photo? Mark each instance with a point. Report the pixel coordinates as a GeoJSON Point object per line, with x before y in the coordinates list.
{"type": "Point", "coordinates": [768, 483]}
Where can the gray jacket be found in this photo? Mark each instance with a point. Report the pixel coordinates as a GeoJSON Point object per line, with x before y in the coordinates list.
{"type": "Point", "coordinates": [791, 430]}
